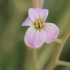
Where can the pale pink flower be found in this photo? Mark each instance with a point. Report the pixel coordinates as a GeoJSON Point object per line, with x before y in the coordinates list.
{"type": "Point", "coordinates": [39, 31]}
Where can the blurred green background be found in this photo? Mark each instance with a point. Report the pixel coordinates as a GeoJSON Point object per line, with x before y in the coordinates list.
{"type": "Point", "coordinates": [14, 55]}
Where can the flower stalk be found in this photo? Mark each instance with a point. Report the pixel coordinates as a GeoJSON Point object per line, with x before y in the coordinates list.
{"type": "Point", "coordinates": [59, 41]}
{"type": "Point", "coordinates": [57, 52]}
{"type": "Point", "coordinates": [63, 63]}
{"type": "Point", "coordinates": [36, 4]}
{"type": "Point", "coordinates": [35, 59]}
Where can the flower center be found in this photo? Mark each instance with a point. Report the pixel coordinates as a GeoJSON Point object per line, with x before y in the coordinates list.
{"type": "Point", "coordinates": [39, 24]}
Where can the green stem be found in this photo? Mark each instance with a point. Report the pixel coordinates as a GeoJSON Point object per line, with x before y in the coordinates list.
{"type": "Point", "coordinates": [35, 59]}
{"type": "Point", "coordinates": [58, 41]}
{"type": "Point", "coordinates": [36, 4]}
{"type": "Point", "coordinates": [60, 47]}
{"type": "Point", "coordinates": [63, 63]}
{"type": "Point", "coordinates": [57, 52]}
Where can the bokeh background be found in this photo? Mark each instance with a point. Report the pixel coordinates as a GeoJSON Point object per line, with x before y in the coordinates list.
{"type": "Point", "coordinates": [14, 54]}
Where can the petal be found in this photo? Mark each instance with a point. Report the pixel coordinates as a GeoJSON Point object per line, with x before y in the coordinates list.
{"type": "Point", "coordinates": [27, 22]}
{"type": "Point", "coordinates": [34, 38]}
{"type": "Point", "coordinates": [33, 14]}
{"type": "Point", "coordinates": [43, 14]}
{"type": "Point", "coordinates": [38, 13]}
{"type": "Point", "coordinates": [52, 32]}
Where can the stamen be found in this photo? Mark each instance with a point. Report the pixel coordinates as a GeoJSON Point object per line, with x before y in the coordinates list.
{"type": "Point", "coordinates": [39, 21]}
{"type": "Point", "coordinates": [39, 24]}
{"type": "Point", "coordinates": [36, 24]}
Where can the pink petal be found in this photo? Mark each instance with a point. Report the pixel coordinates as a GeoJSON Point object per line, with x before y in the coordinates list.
{"type": "Point", "coordinates": [38, 13]}
{"type": "Point", "coordinates": [34, 38]}
{"type": "Point", "coordinates": [27, 22]}
{"type": "Point", "coordinates": [52, 32]}
{"type": "Point", "coordinates": [43, 14]}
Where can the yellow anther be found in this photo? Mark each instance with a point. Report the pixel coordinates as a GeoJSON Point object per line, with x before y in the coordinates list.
{"type": "Point", "coordinates": [41, 25]}
{"type": "Point", "coordinates": [36, 24]}
{"type": "Point", "coordinates": [39, 21]}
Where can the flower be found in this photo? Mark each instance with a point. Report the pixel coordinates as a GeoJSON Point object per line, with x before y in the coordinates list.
{"type": "Point", "coordinates": [39, 31]}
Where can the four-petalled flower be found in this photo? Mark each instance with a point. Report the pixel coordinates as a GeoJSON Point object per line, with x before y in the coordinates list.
{"type": "Point", "coordinates": [39, 31]}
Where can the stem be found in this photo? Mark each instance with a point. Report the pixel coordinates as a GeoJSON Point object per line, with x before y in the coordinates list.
{"type": "Point", "coordinates": [63, 63]}
{"type": "Point", "coordinates": [57, 52]}
{"type": "Point", "coordinates": [58, 41]}
{"type": "Point", "coordinates": [37, 3]}
{"type": "Point", "coordinates": [35, 59]}
{"type": "Point", "coordinates": [60, 47]}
